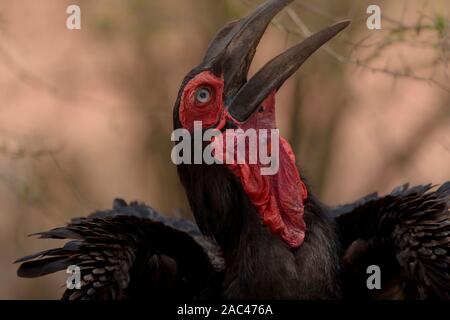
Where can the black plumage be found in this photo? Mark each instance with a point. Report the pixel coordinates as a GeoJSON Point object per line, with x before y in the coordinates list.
{"type": "Point", "coordinates": [406, 233]}
{"type": "Point", "coordinates": [130, 252]}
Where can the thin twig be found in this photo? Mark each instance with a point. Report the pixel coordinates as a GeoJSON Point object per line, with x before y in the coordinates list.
{"type": "Point", "coordinates": [304, 30]}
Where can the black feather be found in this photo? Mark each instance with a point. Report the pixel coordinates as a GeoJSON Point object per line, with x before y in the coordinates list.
{"type": "Point", "coordinates": [123, 254]}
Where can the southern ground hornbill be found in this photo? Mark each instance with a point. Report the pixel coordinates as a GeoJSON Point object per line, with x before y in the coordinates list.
{"type": "Point", "coordinates": [258, 237]}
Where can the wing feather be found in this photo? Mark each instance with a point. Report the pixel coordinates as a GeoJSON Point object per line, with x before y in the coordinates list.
{"type": "Point", "coordinates": [128, 252]}
{"type": "Point", "coordinates": [406, 233]}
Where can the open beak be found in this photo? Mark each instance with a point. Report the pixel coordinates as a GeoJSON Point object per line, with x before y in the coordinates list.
{"type": "Point", "coordinates": [234, 47]}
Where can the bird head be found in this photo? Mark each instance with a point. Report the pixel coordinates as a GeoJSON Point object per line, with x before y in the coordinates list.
{"type": "Point", "coordinates": [219, 94]}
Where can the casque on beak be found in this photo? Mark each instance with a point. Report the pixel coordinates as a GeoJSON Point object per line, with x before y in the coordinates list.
{"type": "Point", "coordinates": [232, 50]}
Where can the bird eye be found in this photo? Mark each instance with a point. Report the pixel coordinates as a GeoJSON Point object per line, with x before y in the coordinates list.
{"type": "Point", "coordinates": [203, 95]}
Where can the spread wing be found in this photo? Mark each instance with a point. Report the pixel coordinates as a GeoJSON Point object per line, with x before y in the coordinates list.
{"type": "Point", "coordinates": [406, 234]}
{"type": "Point", "coordinates": [130, 252]}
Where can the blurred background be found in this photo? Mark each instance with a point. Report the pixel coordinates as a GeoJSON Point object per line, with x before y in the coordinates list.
{"type": "Point", "coordinates": [86, 115]}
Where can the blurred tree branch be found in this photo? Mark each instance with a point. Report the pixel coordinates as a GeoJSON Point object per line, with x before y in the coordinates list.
{"type": "Point", "coordinates": [397, 34]}
{"type": "Point", "coordinates": [23, 153]}
{"type": "Point", "coordinates": [35, 81]}
{"type": "Point", "coordinates": [16, 147]}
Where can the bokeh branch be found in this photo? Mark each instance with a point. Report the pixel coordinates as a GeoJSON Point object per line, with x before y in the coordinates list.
{"type": "Point", "coordinates": [33, 80]}
{"type": "Point", "coordinates": [434, 29]}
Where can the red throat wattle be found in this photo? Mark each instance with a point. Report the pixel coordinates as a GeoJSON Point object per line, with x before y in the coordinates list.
{"type": "Point", "coordinates": [279, 198]}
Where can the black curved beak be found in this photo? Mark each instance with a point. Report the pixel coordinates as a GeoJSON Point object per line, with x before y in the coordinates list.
{"type": "Point", "coordinates": [233, 48]}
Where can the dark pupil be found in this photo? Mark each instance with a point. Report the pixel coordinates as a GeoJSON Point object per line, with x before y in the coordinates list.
{"type": "Point", "coordinates": [203, 95]}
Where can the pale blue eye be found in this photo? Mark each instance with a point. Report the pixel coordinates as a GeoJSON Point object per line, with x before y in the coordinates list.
{"type": "Point", "coordinates": [203, 95]}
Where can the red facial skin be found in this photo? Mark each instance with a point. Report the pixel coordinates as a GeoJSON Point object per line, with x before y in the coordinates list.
{"type": "Point", "coordinates": [280, 198]}
{"type": "Point", "coordinates": [210, 113]}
